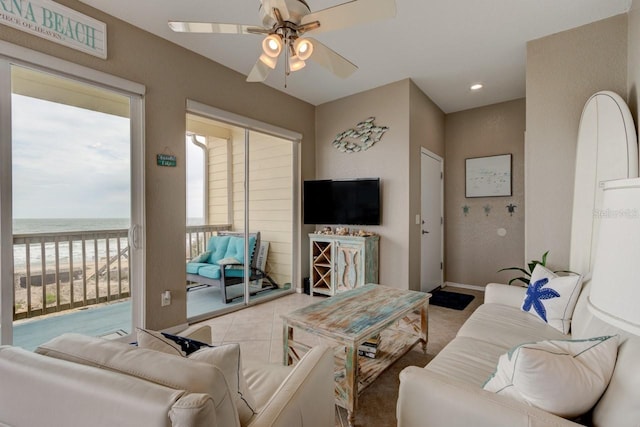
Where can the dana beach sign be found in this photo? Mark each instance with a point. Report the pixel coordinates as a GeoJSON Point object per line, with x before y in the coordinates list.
{"type": "Point", "coordinates": [57, 23]}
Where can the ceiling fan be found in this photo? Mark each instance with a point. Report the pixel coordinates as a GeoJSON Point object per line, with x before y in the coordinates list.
{"type": "Point", "coordinates": [285, 22]}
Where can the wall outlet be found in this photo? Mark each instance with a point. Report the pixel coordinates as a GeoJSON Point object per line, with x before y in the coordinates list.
{"type": "Point", "coordinates": [165, 298]}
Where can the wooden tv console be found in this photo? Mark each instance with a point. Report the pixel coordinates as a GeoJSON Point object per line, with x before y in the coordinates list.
{"type": "Point", "coordinates": [340, 263]}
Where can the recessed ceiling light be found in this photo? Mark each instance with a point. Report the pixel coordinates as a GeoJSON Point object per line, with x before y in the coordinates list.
{"type": "Point", "coordinates": [476, 86]}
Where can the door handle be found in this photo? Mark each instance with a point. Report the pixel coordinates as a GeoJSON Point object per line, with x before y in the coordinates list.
{"type": "Point", "coordinates": [425, 232]}
{"type": "Point", "coordinates": [134, 236]}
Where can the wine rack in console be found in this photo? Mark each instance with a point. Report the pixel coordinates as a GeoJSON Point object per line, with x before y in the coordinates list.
{"type": "Point", "coordinates": [340, 263]}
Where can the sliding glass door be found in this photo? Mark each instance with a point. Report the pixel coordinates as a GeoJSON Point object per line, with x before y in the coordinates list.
{"type": "Point", "coordinates": [71, 210]}
{"type": "Point", "coordinates": [241, 182]}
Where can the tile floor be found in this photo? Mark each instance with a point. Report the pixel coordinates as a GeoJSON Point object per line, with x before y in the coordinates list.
{"type": "Point", "coordinates": [258, 329]}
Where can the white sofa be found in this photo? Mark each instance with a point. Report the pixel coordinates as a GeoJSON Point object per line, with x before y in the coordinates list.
{"type": "Point", "coordinates": [448, 391]}
{"type": "Point", "coordinates": [104, 383]}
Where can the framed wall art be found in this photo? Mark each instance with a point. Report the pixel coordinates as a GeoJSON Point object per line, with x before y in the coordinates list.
{"type": "Point", "coordinates": [488, 176]}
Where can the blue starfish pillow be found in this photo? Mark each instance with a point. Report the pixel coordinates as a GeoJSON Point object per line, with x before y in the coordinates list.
{"type": "Point", "coordinates": [552, 298]}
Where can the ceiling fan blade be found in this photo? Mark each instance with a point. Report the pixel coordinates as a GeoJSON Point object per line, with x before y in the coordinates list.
{"type": "Point", "coordinates": [331, 60]}
{"type": "Point", "coordinates": [259, 72]}
{"type": "Point", "coordinates": [349, 14]}
{"type": "Point", "coordinates": [215, 27]}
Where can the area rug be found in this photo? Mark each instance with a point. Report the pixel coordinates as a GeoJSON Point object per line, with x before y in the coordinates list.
{"type": "Point", "coordinates": [451, 300]}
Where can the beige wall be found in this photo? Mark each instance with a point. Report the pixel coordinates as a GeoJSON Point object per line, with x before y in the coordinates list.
{"type": "Point", "coordinates": [475, 251]}
{"type": "Point", "coordinates": [171, 75]}
{"type": "Point", "coordinates": [413, 121]}
{"type": "Point", "coordinates": [270, 197]}
{"type": "Point", "coordinates": [387, 160]}
{"type": "Point", "coordinates": [563, 71]}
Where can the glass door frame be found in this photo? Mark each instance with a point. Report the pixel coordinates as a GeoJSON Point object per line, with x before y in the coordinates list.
{"type": "Point", "coordinates": [12, 55]}
{"type": "Point", "coordinates": [249, 125]}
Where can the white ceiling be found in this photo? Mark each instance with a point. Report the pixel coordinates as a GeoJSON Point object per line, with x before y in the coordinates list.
{"type": "Point", "coordinates": [442, 45]}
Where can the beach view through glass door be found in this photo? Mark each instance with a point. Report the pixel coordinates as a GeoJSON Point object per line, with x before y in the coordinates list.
{"type": "Point", "coordinates": [71, 203]}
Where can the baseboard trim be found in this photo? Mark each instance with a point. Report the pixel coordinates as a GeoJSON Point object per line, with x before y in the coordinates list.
{"type": "Point", "coordinates": [464, 286]}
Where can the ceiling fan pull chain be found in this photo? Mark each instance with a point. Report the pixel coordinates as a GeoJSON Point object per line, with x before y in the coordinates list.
{"type": "Point", "coordinates": [287, 56]}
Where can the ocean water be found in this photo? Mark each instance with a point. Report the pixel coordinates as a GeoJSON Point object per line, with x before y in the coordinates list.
{"type": "Point", "coordinates": [23, 226]}
{"type": "Point", "coordinates": [55, 225]}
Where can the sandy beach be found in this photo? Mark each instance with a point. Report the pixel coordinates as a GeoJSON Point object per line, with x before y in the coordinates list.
{"type": "Point", "coordinates": [84, 290]}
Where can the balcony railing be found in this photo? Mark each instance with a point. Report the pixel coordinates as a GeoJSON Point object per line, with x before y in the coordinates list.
{"type": "Point", "coordinates": [55, 272]}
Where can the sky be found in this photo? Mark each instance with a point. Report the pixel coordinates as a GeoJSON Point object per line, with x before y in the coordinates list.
{"type": "Point", "coordinates": [195, 183]}
{"type": "Point", "coordinates": [69, 162]}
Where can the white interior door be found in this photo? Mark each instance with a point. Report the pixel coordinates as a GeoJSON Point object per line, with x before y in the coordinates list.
{"type": "Point", "coordinates": [432, 220]}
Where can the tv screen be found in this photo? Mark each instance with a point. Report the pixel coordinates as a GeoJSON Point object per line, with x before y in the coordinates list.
{"type": "Point", "coordinates": [342, 202]}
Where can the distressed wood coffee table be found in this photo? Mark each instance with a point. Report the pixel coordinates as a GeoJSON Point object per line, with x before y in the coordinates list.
{"type": "Point", "coordinates": [347, 320]}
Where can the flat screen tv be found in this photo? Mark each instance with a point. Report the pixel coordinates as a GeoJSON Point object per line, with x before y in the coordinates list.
{"type": "Point", "coordinates": [342, 202]}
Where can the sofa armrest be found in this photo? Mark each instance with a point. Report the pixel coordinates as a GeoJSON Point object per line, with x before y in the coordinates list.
{"type": "Point", "coordinates": [37, 390]}
{"type": "Point", "coordinates": [193, 409]}
{"type": "Point", "coordinates": [511, 295]}
{"type": "Point", "coordinates": [430, 399]}
{"type": "Point", "coordinates": [306, 397]}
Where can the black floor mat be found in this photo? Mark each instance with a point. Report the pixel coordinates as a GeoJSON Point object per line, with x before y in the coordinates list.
{"type": "Point", "coordinates": [452, 300]}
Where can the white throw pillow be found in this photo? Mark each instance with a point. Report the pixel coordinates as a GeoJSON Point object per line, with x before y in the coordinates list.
{"type": "Point", "coordinates": [228, 260]}
{"type": "Point", "coordinates": [552, 298]}
{"type": "Point", "coordinates": [563, 377]}
{"type": "Point", "coordinates": [202, 258]}
{"type": "Point", "coordinates": [225, 357]}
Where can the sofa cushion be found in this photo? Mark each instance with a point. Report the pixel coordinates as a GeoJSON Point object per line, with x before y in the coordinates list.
{"type": "Point", "coordinates": [264, 379]}
{"type": "Point", "coordinates": [217, 245]}
{"type": "Point", "coordinates": [168, 343]}
{"type": "Point", "coordinates": [552, 298]}
{"type": "Point", "coordinates": [235, 248]}
{"type": "Point", "coordinates": [563, 377]}
{"type": "Point", "coordinates": [467, 359]}
{"type": "Point", "coordinates": [211, 271]}
{"type": "Point", "coordinates": [194, 267]}
{"type": "Point", "coordinates": [506, 327]}
{"type": "Point", "coordinates": [160, 368]}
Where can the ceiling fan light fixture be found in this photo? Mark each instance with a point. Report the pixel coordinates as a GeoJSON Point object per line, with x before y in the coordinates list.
{"type": "Point", "coordinates": [303, 48]}
{"type": "Point", "coordinates": [272, 45]}
{"type": "Point", "coordinates": [295, 63]}
{"type": "Point", "coordinates": [268, 61]}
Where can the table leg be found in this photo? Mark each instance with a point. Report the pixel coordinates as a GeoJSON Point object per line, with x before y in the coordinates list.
{"type": "Point", "coordinates": [424, 326]}
{"type": "Point", "coordinates": [351, 367]}
{"type": "Point", "coordinates": [286, 337]}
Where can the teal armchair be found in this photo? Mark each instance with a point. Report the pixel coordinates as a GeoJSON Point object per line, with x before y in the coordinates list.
{"type": "Point", "coordinates": [222, 264]}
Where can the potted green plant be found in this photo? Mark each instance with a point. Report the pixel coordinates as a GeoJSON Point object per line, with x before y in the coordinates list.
{"type": "Point", "coordinates": [531, 265]}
